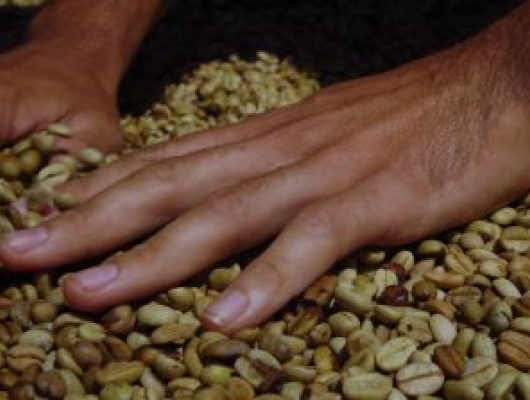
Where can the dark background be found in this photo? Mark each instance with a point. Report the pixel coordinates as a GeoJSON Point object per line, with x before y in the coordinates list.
{"type": "Point", "coordinates": [338, 39]}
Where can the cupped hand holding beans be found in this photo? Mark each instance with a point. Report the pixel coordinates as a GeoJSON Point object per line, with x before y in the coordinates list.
{"type": "Point", "coordinates": [38, 87]}
{"type": "Point", "coordinates": [383, 160]}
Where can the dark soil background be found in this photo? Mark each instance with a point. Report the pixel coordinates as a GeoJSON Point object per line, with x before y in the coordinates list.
{"type": "Point", "coordinates": [338, 39]}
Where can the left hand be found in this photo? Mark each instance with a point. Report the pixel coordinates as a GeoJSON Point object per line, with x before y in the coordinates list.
{"type": "Point", "coordinates": [383, 160]}
{"type": "Point", "coordinates": [38, 88]}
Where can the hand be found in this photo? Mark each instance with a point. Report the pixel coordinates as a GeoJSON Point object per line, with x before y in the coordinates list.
{"type": "Point", "coordinates": [38, 87]}
{"type": "Point", "coordinates": [383, 160]}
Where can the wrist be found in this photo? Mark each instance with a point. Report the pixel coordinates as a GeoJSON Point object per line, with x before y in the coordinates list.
{"type": "Point", "coordinates": [96, 37]}
{"type": "Point", "coordinates": [506, 49]}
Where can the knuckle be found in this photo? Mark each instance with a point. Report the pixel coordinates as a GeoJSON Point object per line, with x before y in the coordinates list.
{"type": "Point", "coordinates": [318, 222]}
{"type": "Point", "coordinates": [228, 204]}
{"type": "Point", "coordinates": [75, 219]}
{"type": "Point", "coordinates": [156, 153]}
{"type": "Point", "coordinates": [162, 173]}
{"type": "Point", "coordinates": [145, 253]}
{"type": "Point", "coordinates": [286, 144]}
{"type": "Point", "coordinates": [274, 270]}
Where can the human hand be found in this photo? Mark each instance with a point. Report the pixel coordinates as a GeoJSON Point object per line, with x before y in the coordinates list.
{"type": "Point", "coordinates": [38, 87]}
{"type": "Point", "coordinates": [383, 160]}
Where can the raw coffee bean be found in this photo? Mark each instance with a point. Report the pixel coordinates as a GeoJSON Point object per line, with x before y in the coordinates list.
{"type": "Point", "coordinates": [420, 378]}
{"type": "Point", "coordinates": [458, 262]}
{"type": "Point", "coordinates": [450, 360]}
{"type": "Point", "coordinates": [397, 269]}
{"type": "Point", "coordinates": [473, 312]}
{"type": "Point", "coordinates": [87, 354]}
{"type": "Point", "coordinates": [523, 385]}
{"type": "Point", "coordinates": [30, 161]}
{"type": "Point", "coordinates": [502, 386]}
{"type": "Point", "coordinates": [424, 290]}
{"type": "Point", "coordinates": [483, 346]}
{"type": "Point", "coordinates": [321, 291]}
{"type": "Point", "coordinates": [367, 386]}
{"type": "Point", "coordinates": [460, 390]}
{"type": "Point", "coordinates": [443, 329]}
{"type": "Point", "coordinates": [514, 348]}
{"type": "Point", "coordinates": [10, 167]}
{"type": "Point", "coordinates": [394, 295]}
{"type": "Point", "coordinates": [354, 301]}
{"type": "Point", "coordinates": [395, 353]}
{"type": "Point", "coordinates": [238, 389]}
{"type": "Point", "coordinates": [51, 384]}
{"type": "Point", "coordinates": [522, 306]}
{"type": "Point", "coordinates": [480, 371]}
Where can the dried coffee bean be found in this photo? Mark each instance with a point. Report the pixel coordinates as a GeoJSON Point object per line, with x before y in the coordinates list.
{"type": "Point", "coordinates": [51, 384]}
{"type": "Point", "coordinates": [443, 329]}
{"type": "Point", "coordinates": [421, 378]}
{"type": "Point", "coordinates": [450, 360]}
{"type": "Point", "coordinates": [394, 295]}
{"type": "Point", "coordinates": [480, 371]}
{"type": "Point", "coordinates": [514, 348]}
{"type": "Point", "coordinates": [87, 354]}
{"type": "Point", "coordinates": [367, 386]}
{"type": "Point", "coordinates": [460, 390]}
{"type": "Point", "coordinates": [394, 354]}
{"type": "Point", "coordinates": [424, 290]}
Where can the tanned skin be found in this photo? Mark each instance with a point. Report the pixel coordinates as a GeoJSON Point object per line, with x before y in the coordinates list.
{"type": "Point", "coordinates": [382, 160]}
{"type": "Point", "coordinates": [69, 69]}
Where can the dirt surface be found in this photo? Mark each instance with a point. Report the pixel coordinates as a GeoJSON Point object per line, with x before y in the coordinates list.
{"type": "Point", "coordinates": [338, 39]}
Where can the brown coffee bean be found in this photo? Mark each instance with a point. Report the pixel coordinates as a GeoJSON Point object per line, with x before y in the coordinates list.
{"type": "Point", "coordinates": [514, 348]}
{"type": "Point", "coordinates": [445, 280]}
{"type": "Point", "coordinates": [424, 290]}
{"type": "Point", "coordinates": [450, 360]}
{"type": "Point", "coordinates": [321, 291]}
{"type": "Point", "coordinates": [394, 295]}
{"type": "Point", "coordinates": [464, 294]}
{"type": "Point", "coordinates": [43, 311]}
{"type": "Point", "coordinates": [22, 391]}
{"type": "Point", "coordinates": [472, 311]}
{"type": "Point", "coordinates": [397, 269]}
{"type": "Point", "coordinates": [51, 384]}
{"type": "Point", "coordinates": [227, 349]}
{"type": "Point", "coordinates": [8, 379]}
{"type": "Point", "coordinates": [87, 354]}
{"type": "Point", "coordinates": [119, 320]}
{"type": "Point", "coordinates": [522, 306]}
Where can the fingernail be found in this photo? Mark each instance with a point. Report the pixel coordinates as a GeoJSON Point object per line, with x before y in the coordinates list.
{"type": "Point", "coordinates": [96, 278]}
{"type": "Point", "coordinates": [227, 308]}
{"type": "Point", "coordinates": [26, 240]}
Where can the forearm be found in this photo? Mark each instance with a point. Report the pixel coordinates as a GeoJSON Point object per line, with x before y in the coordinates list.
{"type": "Point", "coordinates": [102, 34]}
{"type": "Point", "coordinates": [519, 53]}
{"type": "Point", "coordinates": [505, 48]}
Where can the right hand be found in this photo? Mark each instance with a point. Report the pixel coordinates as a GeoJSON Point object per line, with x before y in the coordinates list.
{"type": "Point", "coordinates": [38, 87]}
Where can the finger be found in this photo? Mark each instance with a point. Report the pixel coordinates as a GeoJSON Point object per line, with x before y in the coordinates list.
{"type": "Point", "coordinates": [355, 116]}
{"type": "Point", "coordinates": [108, 141]}
{"type": "Point", "coordinates": [75, 145]}
{"type": "Point", "coordinates": [107, 176]}
{"type": "Point", "coordinates": [97, 129]}
{"type": "Point", "coordinates": [319, 236]}
{"type": "Point", "coordinates": [226, 223]}
{"type": "Point", "coordinates": [143, 202]}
